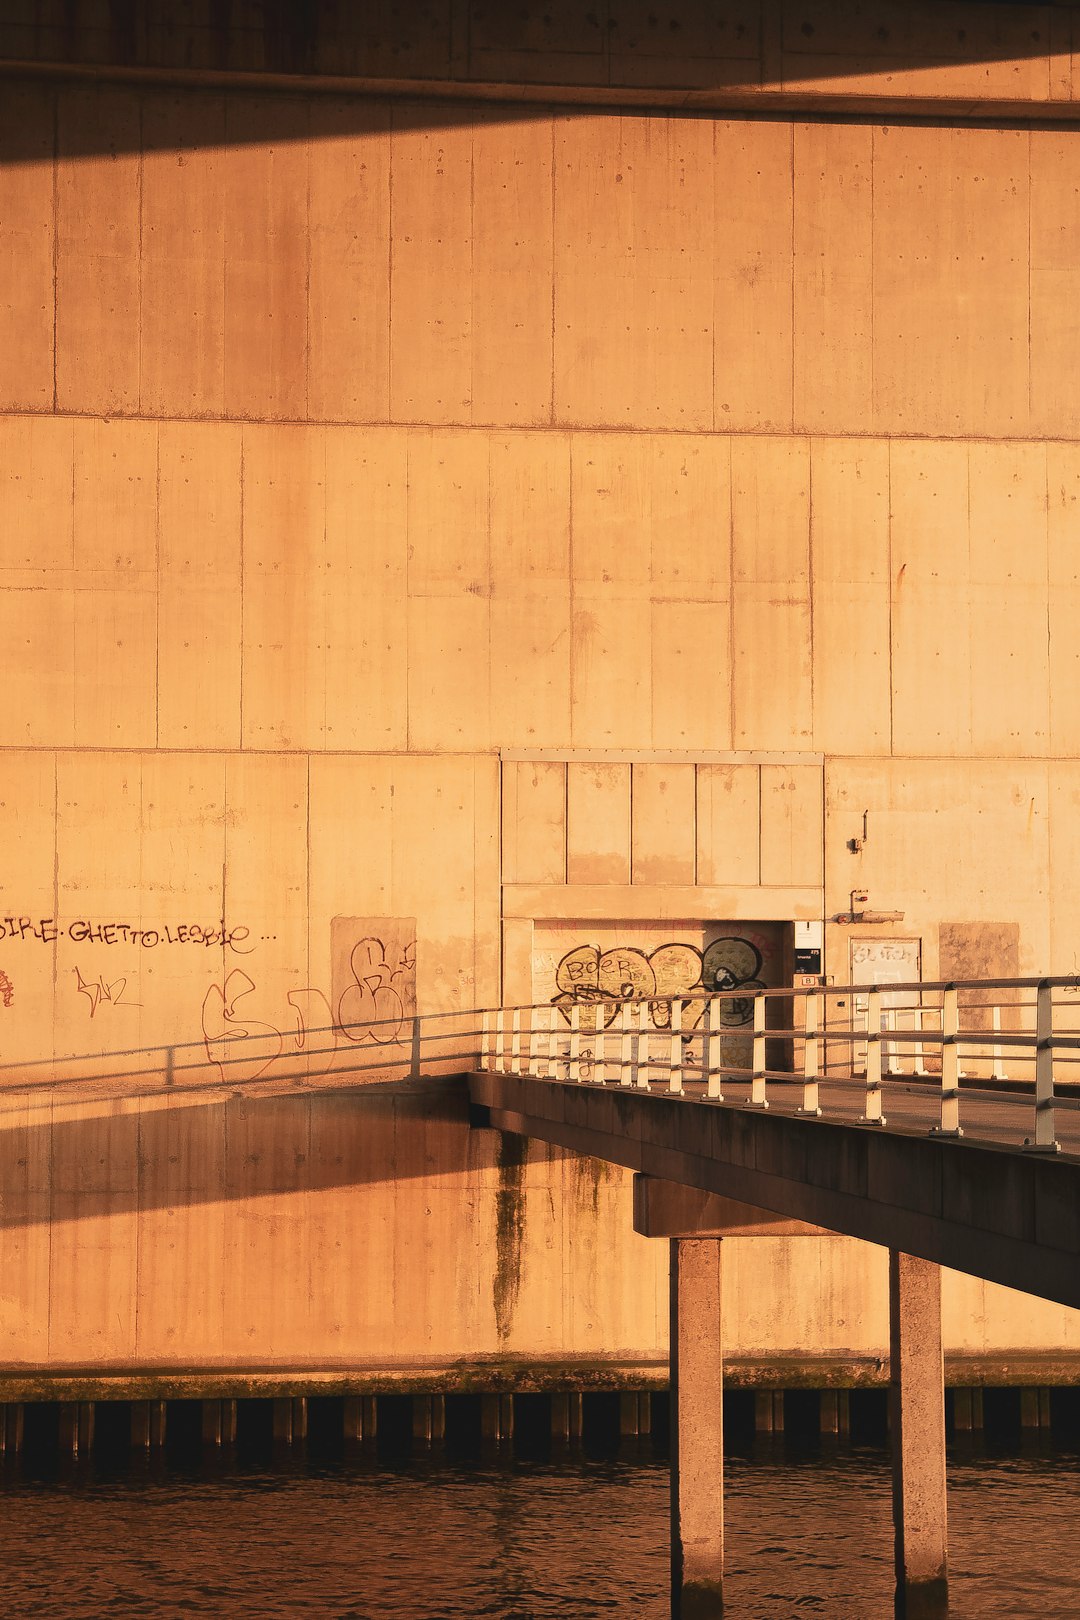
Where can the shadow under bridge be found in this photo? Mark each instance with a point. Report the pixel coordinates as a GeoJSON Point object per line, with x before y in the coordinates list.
{"type": "Point", "coordinates": [939, 1120]}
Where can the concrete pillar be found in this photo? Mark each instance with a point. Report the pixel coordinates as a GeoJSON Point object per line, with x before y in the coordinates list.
{"type": "Point", "coordinates": [635, 1413]}
{"type": "Point", "coordinates": [697, 1430]}
{"type": "Point", "coordinates": [917, 1409]}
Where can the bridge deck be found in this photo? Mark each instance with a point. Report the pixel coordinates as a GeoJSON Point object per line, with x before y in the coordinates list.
{"type": "Point", "coordinates": [982, 1204]}
{"type": "Point", "coordinates": [1000, 1115]}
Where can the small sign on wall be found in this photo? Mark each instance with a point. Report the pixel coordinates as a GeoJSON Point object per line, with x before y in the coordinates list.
{"type": "Point", "coordinates": [809, 946]}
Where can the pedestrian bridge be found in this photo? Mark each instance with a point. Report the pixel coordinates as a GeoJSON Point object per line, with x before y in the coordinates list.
{"type": "Point", "coordinates": [945, 1123]}
{"type": "Point", "coordinates": [940, 1122]}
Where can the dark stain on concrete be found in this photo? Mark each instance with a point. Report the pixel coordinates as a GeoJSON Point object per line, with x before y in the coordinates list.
{"type": "Point", "coordinates": [510, 1162]}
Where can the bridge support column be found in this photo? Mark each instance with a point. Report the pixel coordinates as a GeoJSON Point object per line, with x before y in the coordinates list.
{"type": "Point", "coordinates": [697, 1430]}
{"type": "Point", "coordinates": [917, 1411]}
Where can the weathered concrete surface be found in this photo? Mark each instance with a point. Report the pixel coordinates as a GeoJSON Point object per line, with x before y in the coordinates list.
{"type": "Point", "coordinates": [697, 1429]}
{"type": "Point", "coordinates": [1004, 1215]}
{"type": "Point", "coordinates": [664, 1209]}
{"type": "Point", "coordinates": [310, 509]}
{"type": "Point", "coordinates": [764, 55]}
{"type": "Point", "coordinates": [917, 1409]}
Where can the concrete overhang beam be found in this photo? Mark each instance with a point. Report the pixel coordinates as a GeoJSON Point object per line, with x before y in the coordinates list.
{"type": "Point", "coordinates": [665, 1209]}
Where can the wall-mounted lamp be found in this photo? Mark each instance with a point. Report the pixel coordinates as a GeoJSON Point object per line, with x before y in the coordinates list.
{"type": "Point", "coordinates": [855, 844]}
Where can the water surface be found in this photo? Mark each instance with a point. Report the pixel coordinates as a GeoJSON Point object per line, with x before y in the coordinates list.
{"type": "Point", "coordinates": [808, 1534]}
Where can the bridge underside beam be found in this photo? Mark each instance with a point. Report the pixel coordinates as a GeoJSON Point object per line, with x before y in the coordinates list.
{"type": "Point", "coordinates": [663, 1209]}
{"type": "Point", "coordinates": [999, 1213]}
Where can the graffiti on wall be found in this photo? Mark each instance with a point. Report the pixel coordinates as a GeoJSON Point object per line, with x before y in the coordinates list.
{"type": "Point", "coordinates": [587, 976]}
{"type": "Point", "coordinates": [85, 931]}
{"type": "Point", "coordinates": [100, 990]}
{"type": "Point", "coordinates": [372, 1003]}
{"type": "Point", "coordinates": [372, 1006]}
{"type": "Point", "coordinates": [248, 1028]}
{"type": "Point", "coordinates": [373, 977]}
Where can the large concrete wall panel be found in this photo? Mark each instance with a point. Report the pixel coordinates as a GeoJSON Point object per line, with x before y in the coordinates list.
{"type": "Point", "coordinates": [869, 55]}
{"type": "Point", "coordinates": [98, 263]}
{"type": "Point", "coordinates": [592, 269]}
{"type": "Point", "coordinates": [373, 587]}
{"type": "Point", "coordinates": [945, 841]}
{"type": "Point", "coordinates": [380, 438]}
{"type": "Point", "coordinates": [27, 249]}
{"type": "Point", "coordinates": [182, 255]}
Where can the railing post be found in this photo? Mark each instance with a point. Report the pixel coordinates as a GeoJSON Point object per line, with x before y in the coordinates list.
{"type": "Point", "coordinates": [811, 1054]}
{"type": "Point", "coordinates": [919, 1065]}
{"type": "Point", "coordinates": [713, 1077]}
{"type": "Point", "coordinates": [414, 1055]}
{"type": "Point", "coordinates": [575, 1041]}
{"type": "Point", "coordinates": [1044, 1140]}
{"type": "Point", "coordinates": [170, 1065]}
{"type": "Point", "coordinates": [676, 1053]}
{"type": "Point", "coordinates": [635, 1046]}
{"type": "Point", "coordinates": [551, 1045]}
{"type": "Point", "coordinates": [757, 1084]}
{"type": "Point", "coordinates": [500, 1039]}
{"type": "Point", "coordinates": [485, 1039]}
{"type": "Point", "coordinates": [873, 1114]}
{"type": "Point", "coordinates": [600, 1043]}
{"type": "Point", "coordinates": [534, 1045]}
{"type": "Point", "coordinates": [950, 1065]}
{"type": "Point", "coordinates": [889, 1018]}
{"type": "Point", "coordinates": [515, 1041]}
{"type": "Point", "coordinates": [626, 1074]}
{"type": "Point", "coordinates": [644, 1036]}
{"type": "Point", "coordinates": [998, 1070]}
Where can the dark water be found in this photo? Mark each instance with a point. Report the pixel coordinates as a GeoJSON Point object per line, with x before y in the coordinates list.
{"type": "Point", "coordinates": [517, 1540]}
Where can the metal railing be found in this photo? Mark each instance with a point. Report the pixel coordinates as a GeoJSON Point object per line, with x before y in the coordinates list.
{"type": "Point", "coordinates": [830, 1044]}
{"type": "Point", "coordinates": [811, 1050]}
{"type": "Point", "coordinates": [245, 1056]}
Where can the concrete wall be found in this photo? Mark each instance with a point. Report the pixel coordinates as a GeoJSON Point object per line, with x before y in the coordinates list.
{"type": "Point", "coordinates": [347, 446]}
{"type": "Point", "coordinates": [755, 50]}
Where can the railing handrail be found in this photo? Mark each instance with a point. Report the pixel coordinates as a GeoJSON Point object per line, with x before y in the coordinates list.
{"type": "Point", "coordinates": [593, 997]}
{"type": "Point", "coordinates": [517, 1038]}
{"type": "Point", "coordinates": [868, 1034]}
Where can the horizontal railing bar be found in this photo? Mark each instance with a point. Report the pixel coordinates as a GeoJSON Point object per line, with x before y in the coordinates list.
{"type": "Point", "coordinates": [426, 1030]}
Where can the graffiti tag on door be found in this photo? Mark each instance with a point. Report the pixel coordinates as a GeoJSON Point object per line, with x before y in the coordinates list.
{"type": "Point", "coordinates": [588, 976]}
